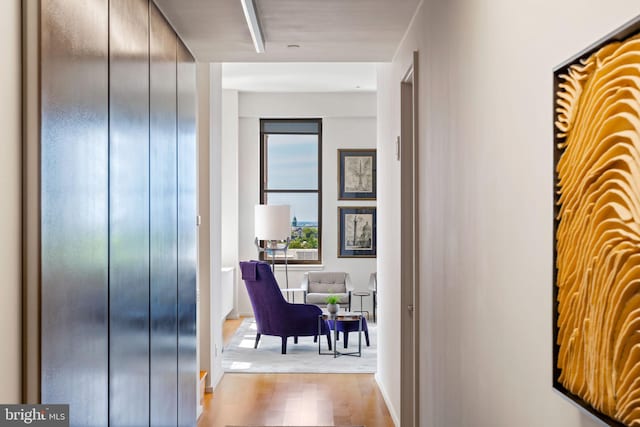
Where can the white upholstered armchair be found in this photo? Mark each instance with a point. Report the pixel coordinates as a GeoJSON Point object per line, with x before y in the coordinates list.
{"type": "Point", "coordinates": [318, 285]}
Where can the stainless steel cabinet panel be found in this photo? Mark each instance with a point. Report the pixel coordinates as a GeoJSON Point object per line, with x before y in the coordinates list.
{"type": "Point", "coordinates": [129, 213]}
{"type": "Point", "coordinates": [74, 207]}
{"type": "Point", "coordinates": [118, 210]}
{"type": "Point", "coordinates": [163, 223]}
{"type": "Point", "coordinates": [187, 255]}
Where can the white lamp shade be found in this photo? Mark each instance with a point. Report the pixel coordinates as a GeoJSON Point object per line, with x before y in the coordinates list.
{"type": "Point", "coordinates": [272, 222]}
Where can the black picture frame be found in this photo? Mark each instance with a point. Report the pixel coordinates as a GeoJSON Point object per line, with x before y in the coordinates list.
{"type": "Point", "coordinates": [357, 234]}
{"type": "Point", "coordinates": [357, 174]}
{"type": "Point", "coordinates": [628, 30]}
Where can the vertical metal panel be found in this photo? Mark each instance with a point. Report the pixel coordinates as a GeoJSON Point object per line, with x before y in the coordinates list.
{"type": "Point", "coordinates": [187, 367]}
{"type": "Point", "coordinates": [164, 219]}
{"type": "Point", "coordinates": [129, 213]}
{"type": "Point", "coordinates": [74, 209]}
{"type": "Point", "coordinates": [31, 226]}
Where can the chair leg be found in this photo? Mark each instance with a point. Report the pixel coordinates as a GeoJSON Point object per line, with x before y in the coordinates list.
{"type": "Point", "coordinates": [366, 338]}
{"type": "Point", "coordinates": [284, 345]}
{"type": "Point", "coordinates": [315, 338]}
{"type": "Point", "coordinates": [329, 340]}
{"type": "Point", "coordinates": [295, 340]}
{"type": "Point", "coordinates": [346, 339]}
{"type": "Point", "coordinates": [257, 341]}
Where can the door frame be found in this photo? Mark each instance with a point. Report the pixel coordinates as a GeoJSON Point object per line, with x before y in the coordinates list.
{"type": "Point", "coordinates": [409, 247]}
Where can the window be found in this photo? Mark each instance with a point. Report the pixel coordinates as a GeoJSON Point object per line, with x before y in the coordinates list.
{"type": "Point", "coordinates": [291, 174]}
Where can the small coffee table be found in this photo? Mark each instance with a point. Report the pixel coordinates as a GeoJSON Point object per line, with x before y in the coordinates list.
{"type": "Point", "coordinates": [338, 318]}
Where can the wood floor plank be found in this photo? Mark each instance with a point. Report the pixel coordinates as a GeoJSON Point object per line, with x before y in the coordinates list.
{"type": "Point", "coordinates": [296, 399]}
{"type": "Point", "coordinates": [229, 327]}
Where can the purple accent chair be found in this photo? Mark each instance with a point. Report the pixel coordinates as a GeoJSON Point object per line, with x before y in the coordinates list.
{"type": "Point", "coordinates": [274, 315]}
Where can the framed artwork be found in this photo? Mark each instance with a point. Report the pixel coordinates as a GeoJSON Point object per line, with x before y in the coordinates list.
{"type": "Point", "coordinates": [596, 254]}
{"type": "Point", "coordinates": [357, 232]}
{"type": "Point", "coordinates": [356, 174]}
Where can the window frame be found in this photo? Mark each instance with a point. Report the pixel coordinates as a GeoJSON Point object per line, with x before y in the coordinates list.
{"type": "Point", "coordinates": [264, 191]}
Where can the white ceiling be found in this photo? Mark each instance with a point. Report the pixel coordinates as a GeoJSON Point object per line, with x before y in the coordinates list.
{"type": "Point", "coordinates": [326, 30]}
{"type": "Point", "coordinates": [300, 77]}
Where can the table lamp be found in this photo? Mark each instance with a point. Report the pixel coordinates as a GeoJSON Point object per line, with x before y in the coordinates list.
{"type": "Point", "coordinates": [273, 224]}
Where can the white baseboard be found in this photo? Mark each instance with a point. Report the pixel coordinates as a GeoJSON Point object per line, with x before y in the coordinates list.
{"type": "Point", "coordinates": [214, 382]}
{"type": "Point", "coordinates": [200, 411]}
{"type": "Point", "coordinates": [385, 396]}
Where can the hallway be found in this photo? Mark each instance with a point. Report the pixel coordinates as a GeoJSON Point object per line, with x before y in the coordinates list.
{"type": "Point", "coordinates": [135, 153]}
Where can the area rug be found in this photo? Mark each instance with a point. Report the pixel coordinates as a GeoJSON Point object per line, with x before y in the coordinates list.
{"type": "Point", "coordinates": [240, 356]}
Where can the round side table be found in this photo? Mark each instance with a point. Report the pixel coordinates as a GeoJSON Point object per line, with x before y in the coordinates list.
{"type": "Point", "coordinates": [361, 295]}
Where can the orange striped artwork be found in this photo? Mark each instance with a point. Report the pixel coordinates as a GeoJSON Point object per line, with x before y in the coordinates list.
{"type": "Point", "coordinates": [597, 123]}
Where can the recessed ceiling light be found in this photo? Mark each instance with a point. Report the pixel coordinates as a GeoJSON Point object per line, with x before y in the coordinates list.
{"type": "Point", "coordinates": [293, 46]}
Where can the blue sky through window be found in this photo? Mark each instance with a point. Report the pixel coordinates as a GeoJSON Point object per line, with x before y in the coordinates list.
{"type": "Point", "coordinates": [292, 162]}
{"type": "Point", "coordinates": [303, 206]}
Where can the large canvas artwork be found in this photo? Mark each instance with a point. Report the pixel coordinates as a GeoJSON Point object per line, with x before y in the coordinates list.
{"type": "Point", "coordinates": [597, 228]}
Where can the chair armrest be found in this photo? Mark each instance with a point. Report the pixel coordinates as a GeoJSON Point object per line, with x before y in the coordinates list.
{"type": "Point", "coordinates": [348, 284]}
{"type": "Point", "coordinates": [305, 284]}
{"type": "Point", "coordinates": [304, 310]}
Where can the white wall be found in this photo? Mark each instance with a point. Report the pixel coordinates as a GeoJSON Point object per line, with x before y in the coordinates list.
{"type": "Point", "coordinates": [10, 214]}
{"type": "Point", "coordinates": [229, 190]}
{"type": "Point", "coordinates": [348, 122]}
{"type": "Point", "coordinates": [388, 369]}
{"type": "Point", "coordinates": [204, 235]}
{"type": "Point", "coordinates": [209, 78]}
{"type": "Point", "coordinates": [215, 210]}
{"type": "Point", "coordinates": [486, 154]}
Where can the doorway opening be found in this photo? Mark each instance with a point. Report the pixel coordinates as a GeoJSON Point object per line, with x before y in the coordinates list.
{"type": "Point", "coordinates": [302, 135]}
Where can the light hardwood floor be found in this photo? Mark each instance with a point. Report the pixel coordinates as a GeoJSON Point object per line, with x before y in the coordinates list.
{"type": "Point", "coordinates": [229, 327]}
{"type": "Point", "coordinates": [294, 399]}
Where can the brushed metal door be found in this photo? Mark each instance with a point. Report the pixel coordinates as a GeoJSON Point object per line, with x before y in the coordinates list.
{"type": "Point", "coordinates": [164, 220]}
{"type": "Point", "coordinates": [187, 367]}
{"type": "Point", "coordinates": [129, 213]}
{"type": "Point", "coordinates": [74, 207]}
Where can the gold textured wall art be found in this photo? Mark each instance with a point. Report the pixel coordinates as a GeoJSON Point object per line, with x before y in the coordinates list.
{"type": "Point", "coordinates": [597, 229]}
